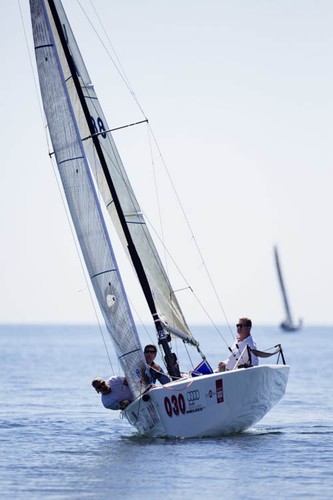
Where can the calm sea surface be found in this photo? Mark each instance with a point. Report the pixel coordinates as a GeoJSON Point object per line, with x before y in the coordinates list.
{"type": "Point", "coordinates": [58, 442]}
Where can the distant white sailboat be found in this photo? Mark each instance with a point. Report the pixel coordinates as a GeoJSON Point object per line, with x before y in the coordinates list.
{"type": "Point", "coordinates": [287, 325]}
{"type": "Point", "coordinates": [92, 173]}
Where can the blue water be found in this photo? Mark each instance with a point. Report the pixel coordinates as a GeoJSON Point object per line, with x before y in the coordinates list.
{"type": "Point", "coordinates": [58, 442]}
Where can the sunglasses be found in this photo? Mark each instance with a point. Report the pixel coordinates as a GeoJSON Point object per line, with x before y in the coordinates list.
{"type": "Point", "coordinates": [240, 325]}
{"type": "Point", "coordinates": [100, 386]}
{"type": "Point", "coordinates": [150, 352]}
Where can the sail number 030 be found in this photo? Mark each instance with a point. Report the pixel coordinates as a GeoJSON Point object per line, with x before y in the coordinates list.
{"type": "Point", "coordinates": [175, 405]}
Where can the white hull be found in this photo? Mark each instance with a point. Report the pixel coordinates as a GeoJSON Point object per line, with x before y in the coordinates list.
{"type": "Point", "coordinates": [210, 405]}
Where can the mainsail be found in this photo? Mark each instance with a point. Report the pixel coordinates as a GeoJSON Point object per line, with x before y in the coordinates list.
{"type": "Point", "coordinates": [61, 109]}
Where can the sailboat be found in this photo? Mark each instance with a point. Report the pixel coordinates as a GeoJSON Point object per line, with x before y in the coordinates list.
{"type": "Point", "coordinates": [287, 325]}
{"type": "Point", "coordinates": [96, 187]}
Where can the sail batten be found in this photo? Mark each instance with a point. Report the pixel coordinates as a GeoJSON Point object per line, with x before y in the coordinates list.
{"type": "Point", "coordinates": [43, 46]}
{"type": "Point", "coordinates": [104, 272]}
{"type": "Point", "coordinates": [66, 160]}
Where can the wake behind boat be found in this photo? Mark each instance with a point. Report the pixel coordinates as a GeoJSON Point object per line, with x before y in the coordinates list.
{"type": "Point", "coordinates": [92, 175]}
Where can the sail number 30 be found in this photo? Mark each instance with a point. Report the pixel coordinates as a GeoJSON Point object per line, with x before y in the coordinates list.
{"type": "Point", "coordinates": [175, 405]}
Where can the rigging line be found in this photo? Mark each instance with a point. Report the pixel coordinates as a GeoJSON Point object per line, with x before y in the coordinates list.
{"type": "Point", "coordinates": [186, 281]}
{"type": "Point", "coordinates": [190, 229]}
{"type": "Point", "coordinates": [157, 198]}
{"type": "Point", "coordinates": [117, 65]}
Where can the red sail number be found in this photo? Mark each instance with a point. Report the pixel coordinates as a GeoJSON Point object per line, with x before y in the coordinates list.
{"type": "Point", "coordinates": [175, 406]}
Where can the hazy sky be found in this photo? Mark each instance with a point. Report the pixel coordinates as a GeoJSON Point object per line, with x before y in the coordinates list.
{"type": "Point", "coordinates": [239, 94]}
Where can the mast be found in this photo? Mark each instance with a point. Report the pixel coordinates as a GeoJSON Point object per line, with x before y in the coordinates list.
{"type": "Point", "coordinates": [163, 337]}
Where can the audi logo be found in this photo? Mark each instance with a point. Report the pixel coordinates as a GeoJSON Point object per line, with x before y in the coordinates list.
{"type": "Point", "coordinates": [192, 396]}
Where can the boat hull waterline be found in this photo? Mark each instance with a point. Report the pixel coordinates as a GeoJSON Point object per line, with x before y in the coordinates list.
{"type": "Point", "coordinates": [210, 405]}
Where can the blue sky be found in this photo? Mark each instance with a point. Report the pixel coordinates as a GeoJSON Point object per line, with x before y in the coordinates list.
{"type": "Point", "coordinates": [239, 96]}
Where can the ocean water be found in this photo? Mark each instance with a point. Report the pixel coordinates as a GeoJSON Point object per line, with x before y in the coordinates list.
{"type": "Point", "coordinates": [58, 442]}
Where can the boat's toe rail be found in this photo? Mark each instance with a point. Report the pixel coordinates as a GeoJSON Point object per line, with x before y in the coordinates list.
{"type": "Point", "coordinates": [278, 351]}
